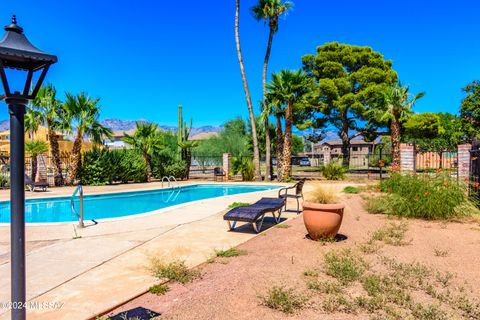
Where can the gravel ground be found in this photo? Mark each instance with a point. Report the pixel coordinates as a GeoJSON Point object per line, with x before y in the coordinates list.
{"type": "Point", "coordinates": [231, 288]}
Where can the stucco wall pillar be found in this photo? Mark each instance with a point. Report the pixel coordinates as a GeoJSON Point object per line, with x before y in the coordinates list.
{"type": "Point", "coordinates": [464, 160]}
{"type": "Point", "coordinates": [407, 158]}
{"type": "Point", "coordinates": [226, 165]}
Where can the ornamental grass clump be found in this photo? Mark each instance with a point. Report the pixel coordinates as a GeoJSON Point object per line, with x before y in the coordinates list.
{"type": "Point", "coordinates": [428, 197]}
{"type": "Point", "coordinates": [323, 195]}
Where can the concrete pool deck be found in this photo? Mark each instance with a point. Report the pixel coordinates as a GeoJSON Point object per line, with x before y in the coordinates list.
{"type": "Point", "coordinates": [93, 269]}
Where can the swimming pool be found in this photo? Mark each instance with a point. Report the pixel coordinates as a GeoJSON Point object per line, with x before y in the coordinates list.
{"type": "Point", "coordinates": [115, 205]}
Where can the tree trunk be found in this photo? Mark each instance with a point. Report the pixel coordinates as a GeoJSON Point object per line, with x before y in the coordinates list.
{"type": "Point", "coordinates": [287, 143]}
{"type": "Point", "coordinates": [256, 157]}
{"type": "Point", "coordinates": [34, 167]}
{"type": "Point", "coordinates": [268, 157]}
{"type": "Point", "coordinates": [55, 152]}
{"type": "Point", "coordinates": [395, 135]}
{"type": "Point", "coordinates": [148, 168]}
{"type": "Point", "coordinates": [76, 158]}
{"type": "Point", "coordinates": [345, 143]}
{"type": "Point", "coordinates": [279, 146]}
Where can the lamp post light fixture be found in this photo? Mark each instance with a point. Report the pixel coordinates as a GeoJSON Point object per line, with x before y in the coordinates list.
{"type": "Point", "coordinates": [18, 55]}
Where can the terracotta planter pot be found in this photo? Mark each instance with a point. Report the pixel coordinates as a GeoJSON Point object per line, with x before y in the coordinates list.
{"type": "Point", "coordinates": [322, 220]}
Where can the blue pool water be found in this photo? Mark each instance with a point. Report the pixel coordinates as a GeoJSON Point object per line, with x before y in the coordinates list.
{"type": "Point", "coordinates": [123, 204]}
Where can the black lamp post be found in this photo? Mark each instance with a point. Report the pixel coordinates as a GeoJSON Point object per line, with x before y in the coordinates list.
{"type": "Point", "coordinates": [17, 53]}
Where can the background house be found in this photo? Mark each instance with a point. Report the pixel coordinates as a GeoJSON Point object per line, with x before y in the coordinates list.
{"type": "Point", "coordinates": [332, 150]}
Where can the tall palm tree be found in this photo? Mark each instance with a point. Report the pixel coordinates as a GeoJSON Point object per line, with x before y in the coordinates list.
{"type": "Point", "coordinates": [256, 155]}
{"type": "Point", "coordinates": [269, 11]}
{"type": "Point", "coordinates": [289, 88]}
{"type": "Point", "coordinates": [274, 107]}
{"type": "Point", "coordinates": [147, 140]}
{"type": "Point", "coordinates": [35, 148]}
{"type": "Point", "coordinates": [81, 114]}
{"type": "Point", "coordinates": [392, 107]}
{"type": "Point", "coordinates": [48, 108]}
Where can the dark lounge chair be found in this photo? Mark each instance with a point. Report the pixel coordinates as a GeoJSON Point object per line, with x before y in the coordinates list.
{"type": "Point", "coordinates": [218, 173]}
{"type": "Point", "coordinates": [298, 187]}
{"type": "Point", "coordinates": [32, 184]}
{"type": "Point", "coordinates": [255, 213]}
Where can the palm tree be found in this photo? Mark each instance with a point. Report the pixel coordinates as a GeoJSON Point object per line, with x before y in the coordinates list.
{"type": "Point", "coordinates": [269, 10]}
{"type": "Point", "coordinates": [289, 88]}
{"type": "Point", "coordinates": [392, 107]}
{"type": "Point", "coordinates": [35, 148]}
{"type": "Point", "coordinates": [48, 108]}
{"type": "Point", "coordinates": [33, 119]}
{"type": "Point", "coordinates": [275, 108]}
{"type": "Point", "coordinates": [81, 114]}
{"type": "Point", "coordinates": [147, 140]}
{"type": "Point", "coordinates": [256, 156]}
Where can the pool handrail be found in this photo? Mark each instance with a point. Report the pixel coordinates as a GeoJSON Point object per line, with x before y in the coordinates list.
{"type": "Point", "coordinates": [169, 180]}
{"type": "Point", "coordinates": [78, 189]}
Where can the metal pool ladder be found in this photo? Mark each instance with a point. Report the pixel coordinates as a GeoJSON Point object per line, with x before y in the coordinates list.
{"type": "Point", "coordinates": [169, 180]}
{"type": "Point", "coordinates": [79, 190]}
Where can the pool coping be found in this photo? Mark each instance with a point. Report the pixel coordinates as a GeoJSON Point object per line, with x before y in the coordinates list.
{"type": "Point", "coordinates": [148, 213]}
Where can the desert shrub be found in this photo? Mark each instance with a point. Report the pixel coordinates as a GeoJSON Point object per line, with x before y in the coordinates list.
{"type": "Point", "coordinates": [159, 289]}
{"type": "Point", "coordinates": [427, 197]}
{"type": "Point", "coordinates": [175, 271]}
{"type": "Point", "coordinates": [322, 195]}
{"type": "Point", "coordinates": [344, 265]}
{"type": "Point", "coordinates": [177, 169]}
{"type": "Point", "coordinates": [232, 252]}
{"type": "Point", "coordinates": [351, 189]}
{"type": "Point", "coordinates": [285, 300]}
{"type": "Point", "coordinates": [244, 166]}
{"type": "Point", "coordinates": [333, 171]}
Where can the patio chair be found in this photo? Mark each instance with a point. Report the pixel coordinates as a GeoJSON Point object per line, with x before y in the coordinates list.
{"type": "Point", "coordinates": [32, 184]}
{"type": "Point", "coordinates": [255, 214]}
{"type": "Point", "coordinates": [298, 187]}
{"type": "Point", "coordinates": [218, 173]}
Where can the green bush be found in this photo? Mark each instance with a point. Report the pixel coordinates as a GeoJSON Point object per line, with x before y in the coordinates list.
{"type": "Point", "coordinates": [102, 166]}
{"type": "Point", "coordinates": [351, 189]}
{"type": "Point", "coordinates": [177, 169]}
{"type": "Point", "coordinates": [131, 167]}
{"type": "Point", "coordinates": [428, 197]}
{"type": "Point", "coordinates": [333, 171]}
{"type": "Point", "coordinates": [244, 166]}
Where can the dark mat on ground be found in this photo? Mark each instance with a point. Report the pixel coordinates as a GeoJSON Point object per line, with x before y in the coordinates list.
{"type": "Point", "coordinates": [139, 313]}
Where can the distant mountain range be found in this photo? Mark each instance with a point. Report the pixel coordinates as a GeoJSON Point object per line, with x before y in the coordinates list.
{"type": "Point", "coordinates": [125, 125]}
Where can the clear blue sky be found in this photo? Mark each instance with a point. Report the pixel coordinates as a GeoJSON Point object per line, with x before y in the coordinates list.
{"type": "Point", "coordinates": [143, 58]}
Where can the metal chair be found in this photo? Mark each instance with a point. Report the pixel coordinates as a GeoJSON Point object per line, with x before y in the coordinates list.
{"type": "Point", "coordinates": [218, 172]}
{"type": "Point", "coordinates": [298, 187]}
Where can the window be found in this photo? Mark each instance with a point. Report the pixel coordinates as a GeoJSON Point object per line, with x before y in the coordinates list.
{"type": "Point", "coordinates": [354, 148]}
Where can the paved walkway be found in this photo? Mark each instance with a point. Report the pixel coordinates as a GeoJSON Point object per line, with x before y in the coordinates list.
{"type": "Point", "coordinates": [93, 269]}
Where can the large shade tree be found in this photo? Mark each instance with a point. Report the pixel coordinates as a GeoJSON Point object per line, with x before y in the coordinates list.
{"type": "Point", "coordinates": [470, 109]}
{"type": "Point", "coordinates": [47, 108]}
{"type": "Point", "coordinates": [270, 12]}
{"type": "Point", "coordinates": [148, 140]}
{"type": "Point", "coordinates": [391, 107]}
{"type": "Point", "coordinates": [81, 116]}
{"type": "Point", "coordinates": [347, 77]}
{"type": "Point", "coordinates": [290, 89]}
{"type": "Point", "coordinates": [256, 154]}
